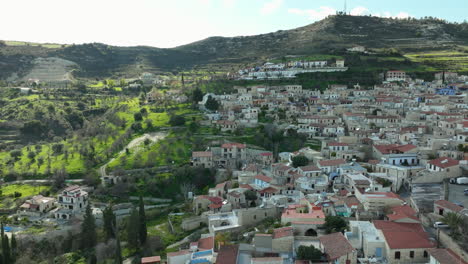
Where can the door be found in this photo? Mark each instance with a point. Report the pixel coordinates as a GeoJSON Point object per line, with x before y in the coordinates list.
{"type": "Point", "coordinates": [378, 252]}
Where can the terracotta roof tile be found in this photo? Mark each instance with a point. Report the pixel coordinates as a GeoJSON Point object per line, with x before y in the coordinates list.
{"type": "Point", "coordinates": [335, 245]}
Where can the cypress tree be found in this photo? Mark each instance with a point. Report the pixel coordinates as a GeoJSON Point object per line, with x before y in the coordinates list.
{"type": "Point", "coordinates": [118, 249]}
{"type": "Point", "coordinates": [142, 223]}
{"type": "Point", "coordinates": [14, 247]}
{"type": "Point", "coordinates": [132, 229]}
{"type": "Point", "coordinates": [109, 222]}
{"type": "Point", "coordinates": [6, 250]}
{"type": "Point", "coordinates": [88, 230]}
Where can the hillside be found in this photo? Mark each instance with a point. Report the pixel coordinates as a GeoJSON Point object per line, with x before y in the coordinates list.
{"type": "Point", "coordinates": [329, 36]}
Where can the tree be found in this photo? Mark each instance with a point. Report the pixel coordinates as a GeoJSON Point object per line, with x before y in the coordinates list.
{"type": "Point", "coordinates": [57, 148]}
{"type": "Point", "coordinates": [138, 116]}
{"type": "Point", "coordinates": [88, 230]}
{"type": "Point", "coordinates": [211, 104]}
{"type": "Point", "coordinates": [133, 229]}
{"type": "Point", "coordinates": [13, 248]}
{"type": "Point", "coordinates": [144, 112]}
{"type": "Point", "coordinates": [335, 224]}
{"type": "Point", "coordinates": [309, 253]}
{"type": "Point", "coordinates": [299, 161]}
{"type": "Point", "coordinates": [142, 225]}
{"type": "Point", "coordinates": [177, 120]}
{"type": "Point", "coordinates": [197, 95]}
{"type": "Point", "coordinates": [109, 222]}
{"type": "Point", "coordinates": [31, 155]}
{"type": "Point", "coordinates": [16, 154]}
{"type": "Point", "coordinates": [454, 221]}
{"type": "Point", "coordinates": [6, 250]}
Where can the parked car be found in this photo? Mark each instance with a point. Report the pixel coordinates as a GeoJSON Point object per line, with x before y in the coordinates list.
{"type": "Point", "coordinates": [440, 225]}
{"type": "Point", "coordinates": [465, 191]}
{"type": "Point", "coordinates": [461, 180]}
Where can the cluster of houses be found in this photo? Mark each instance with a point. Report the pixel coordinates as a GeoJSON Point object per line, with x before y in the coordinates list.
{"type": "Point", "coordinates": [70, 202]}
{"type": "Point", "coordinates": [289, 69]}
{"type": "Point", "coordinates": [385, 157]}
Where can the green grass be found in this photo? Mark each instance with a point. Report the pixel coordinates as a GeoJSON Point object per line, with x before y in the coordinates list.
{"type": "Point", "coordinates": [440, 60]}
{"type": "Point", "coordinates": [25, 189]}
{"type": "Point", "coordinates": [314, 57]}
{"type": "Point", "coordinates": [7, 199]}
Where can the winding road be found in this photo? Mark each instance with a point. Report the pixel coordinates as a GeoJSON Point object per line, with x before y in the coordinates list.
{"type": "Point", "coordinates": [134, 145]}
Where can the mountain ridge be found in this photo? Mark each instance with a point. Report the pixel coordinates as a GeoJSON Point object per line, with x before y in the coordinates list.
{"type": "Point", "coordinates": [328, 36]}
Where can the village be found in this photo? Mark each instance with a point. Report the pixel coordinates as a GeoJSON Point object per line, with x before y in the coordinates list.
{"type": "Point", "coordinates": [382, 183]}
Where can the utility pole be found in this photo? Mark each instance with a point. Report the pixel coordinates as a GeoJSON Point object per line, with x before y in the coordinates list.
{"type": "Point", "coordinates": [345, 7]}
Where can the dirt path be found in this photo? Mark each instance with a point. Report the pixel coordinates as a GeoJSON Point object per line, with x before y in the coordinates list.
{"type": "Point", "coordinates": [134, 145]}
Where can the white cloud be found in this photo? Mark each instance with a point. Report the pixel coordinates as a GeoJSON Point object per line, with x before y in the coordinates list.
{"type": "Point", "coordinates": [229, 3]}
{"type": "Point", "coordinates": [271, 7]}
{"type": "Point", "coordinates": [314, 14]}
{"type": "Point", "coordinates": [204, 2]}
{"type": "Point", "coordinates": [359, 11]}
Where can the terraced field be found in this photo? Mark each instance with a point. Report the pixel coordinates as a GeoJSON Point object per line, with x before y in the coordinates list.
{"type": "Point", "coordinates": [451, 60]}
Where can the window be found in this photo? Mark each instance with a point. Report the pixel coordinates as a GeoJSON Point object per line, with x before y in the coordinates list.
{"type": "Point", "coordinates": [397, 254]}
{"type": "Point", "coordinates": [255, 217]}
{"type": "Point", "coordinates": [425, 254]}
{"type": "Point", "coordinates": [411, 254]}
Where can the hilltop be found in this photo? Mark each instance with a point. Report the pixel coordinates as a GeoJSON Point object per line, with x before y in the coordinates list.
{"type": "Point", "coordinates": [329, 36]}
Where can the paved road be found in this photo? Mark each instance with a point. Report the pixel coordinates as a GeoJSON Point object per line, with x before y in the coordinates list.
{"type": "Point", "coordinates": [456, 194]}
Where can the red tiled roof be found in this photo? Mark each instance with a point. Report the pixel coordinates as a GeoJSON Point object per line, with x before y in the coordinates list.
{"type": "Point", "coordinates": [266, 154]}
{"type": "Point", "coordinates": [220, 185]}
{"type": "Point", "coordinates": [335, 162]}
{"type": "Point", "coordinates": [335, 245]}
{"type": "Point", "coordinates": [150, 259]}
{"type": "Point", "coordinates": [446, 256]}
{"type": "Point", "coordinates": [404, 235]}
{"type": "Point", "coordinates": [392, 148]}
{"type": "Point", "coordinates": [245, 186]}
{"type": "Point", "coordinates": [403, 211]}
{"type": "Point", "coordinates": [449, 205]}
{"type": "Point", "coordinates": [268, 190]}
{"type": "Point", "coordinates": [263, 178]}
{"type": "Point", "coordinates": [283, 232]}
{"type": "Point", "coordinates": [215, 206]}
{"type": "Point", "coordinates": [206, 243]}
{"type": "Point", "coordinates": [227, 254]}
{"type": "Point", "coordinates": [266, 259]}
{"type": "Point", "coordinates": [309, 168]}
{"type": "Point", "coordinates": [444, 162]}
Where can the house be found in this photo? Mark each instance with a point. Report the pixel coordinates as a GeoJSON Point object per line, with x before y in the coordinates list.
{"type": "Point", "coordinates": [443, 207]}
{"type": "Point", "coordinates": [309, 171]}
{"type": "Point", "coordinates": [448, 166]}
{"type": "Point", "coordinates": [405, 242]}
{"type": "Point", "coordinates": [71, 202]}
{"type": "Point", "coordinates": [364, 236]}
{"type": "Point", "coordinates": [36, 206]}
{"type": "Point", "coordinates": [303, 213]}
{"type": "Point", "coordinates": [377, 202]}
{"type": "Point", "coordinates": [151, 260]}
{"type": "Point", "coordinates": [403, 214]}
{"type": "Point", "coordinates": [202, 159]}
{"type": "Point", "coordinates": [179, 257]}
{"type": "Point", "coordinates": [338, 146]}
{"type": "Point", "coordinates": [392, 76]}
{"type": "Point", "coordinates": [203, 203]}
{"type": "Point", "coordinates": [262, 181]}
{"type": "Point", "coordinates": [329, 166]}
{"type": "Point", "coordinates": [380, 151]}
{"type": "Point", "coordinates": [337, 249]}
{"type": "Point", "coordinates": [444, 256]}
{"type": "Point", "coordinates": [228, 254]}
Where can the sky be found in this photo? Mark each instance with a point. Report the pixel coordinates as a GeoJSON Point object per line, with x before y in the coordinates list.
{"type": "Point", "coordinates": [170, 23]}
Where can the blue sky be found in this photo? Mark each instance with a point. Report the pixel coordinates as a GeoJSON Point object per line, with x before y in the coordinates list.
{"type": "Point", "coordinates": [169, 23]}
